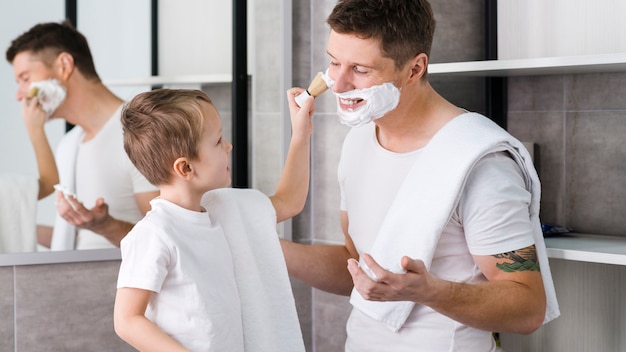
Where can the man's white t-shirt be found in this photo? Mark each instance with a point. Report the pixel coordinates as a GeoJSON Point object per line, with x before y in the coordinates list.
{"type": "Point", "coordinates": [103, 169]}
{"type": "Point", "coordinates": [492, 217]}
{"type": "Point", "coordinates": [186, 261]}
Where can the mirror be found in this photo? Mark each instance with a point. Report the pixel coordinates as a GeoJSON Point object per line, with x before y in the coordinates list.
{"type": "Point", "coordinates": [119, 51]}
{"type": "Point", "coordinates": [122, 55]}
{"type": "Point", "coordinates": [17, 156]}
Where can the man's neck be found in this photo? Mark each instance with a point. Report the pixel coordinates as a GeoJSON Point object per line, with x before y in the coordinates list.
{"type": "Point", "coordinates": [413, 124]}
{"type": "Point", "coordinates": [94, 106]}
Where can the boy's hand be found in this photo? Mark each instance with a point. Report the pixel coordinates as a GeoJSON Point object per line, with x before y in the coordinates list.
{"type": "Point", "coordinates": [301, 123]}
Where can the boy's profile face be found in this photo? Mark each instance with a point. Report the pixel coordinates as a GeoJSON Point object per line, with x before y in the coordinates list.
{"type": "Point", "coordinates": [211, 166]}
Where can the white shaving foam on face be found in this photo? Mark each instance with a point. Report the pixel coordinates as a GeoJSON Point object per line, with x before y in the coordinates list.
{"type": "Point", "coordinates": [50, 95]}
{"type": "Point", "coordinates": [379, 100]}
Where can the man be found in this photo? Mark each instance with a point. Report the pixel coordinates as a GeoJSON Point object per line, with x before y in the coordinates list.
{"type": "Point", "coordinates": [110, 195]}
{"type": "Point", "coordinates": [439, 207]}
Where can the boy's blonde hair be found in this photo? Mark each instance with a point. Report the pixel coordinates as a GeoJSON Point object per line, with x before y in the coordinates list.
{"type": "Point", "coordinates": [161, 126]}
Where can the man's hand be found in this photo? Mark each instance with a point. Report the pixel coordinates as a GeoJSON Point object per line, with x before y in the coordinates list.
{"type": "Point", "coordinates": [414, 285]}
{"type": "Point", "coordinates": [33, 115]}
{"type": "Point", "coordinates": [96, 219]}
{"type": "Point", "coordinates": [75, 213]}
{"type": "Point", "coordinates": [34, 120]}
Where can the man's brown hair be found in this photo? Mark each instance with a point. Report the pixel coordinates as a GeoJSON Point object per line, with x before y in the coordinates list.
{"type": "Point", "coordinates": [161, 126]}
{"type": "Point", "coordinates": [405, 28]}
{"type": "Point", "coordinates": [48, 40]}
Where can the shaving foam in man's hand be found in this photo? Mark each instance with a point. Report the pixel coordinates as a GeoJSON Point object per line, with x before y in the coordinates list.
{"type": "Point", "coordinates": [50, 94]}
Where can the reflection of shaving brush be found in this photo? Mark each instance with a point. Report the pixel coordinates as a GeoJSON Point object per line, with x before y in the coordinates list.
{"type": "Point", "coordinates": [316, 88]}
{"type": "Point", "coordinates": [32, 92]}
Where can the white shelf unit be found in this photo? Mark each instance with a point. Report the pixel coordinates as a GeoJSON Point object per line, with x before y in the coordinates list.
{"type": "Point", "coordinates": [170, 80]}
{"type": "Point", "coordinates": [588, 248]}
{"type": "Point", "coordinates": [537, 66]}
{"type": "Point", "coordinates": [576, 247]}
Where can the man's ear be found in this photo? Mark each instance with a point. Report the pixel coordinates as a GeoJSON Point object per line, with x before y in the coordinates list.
{"type": "Point", "coordinates": [65, 65]}
{"type": "Point", "coordinates": [182, 168]}
{"type": "Point", "coordinates": [418, 66]}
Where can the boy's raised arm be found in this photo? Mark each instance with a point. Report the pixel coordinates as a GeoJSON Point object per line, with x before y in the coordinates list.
{"type": "Point", "coordinates": [293, 185]}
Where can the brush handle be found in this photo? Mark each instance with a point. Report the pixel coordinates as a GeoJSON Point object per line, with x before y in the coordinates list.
{"type": "Point", "coordinates": [300, 99]}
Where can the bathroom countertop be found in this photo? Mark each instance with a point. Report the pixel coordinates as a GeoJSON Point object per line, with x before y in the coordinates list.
{"type": "Point", "coordinates": [57, 257]}
{"type": "Point", "coordinates": [572, 246]}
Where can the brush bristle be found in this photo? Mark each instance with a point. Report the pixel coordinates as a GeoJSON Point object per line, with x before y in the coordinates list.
{"type": "Point", "coordinates": [33, 92]}
{"type": "Point", "coordinates": [317, 86]}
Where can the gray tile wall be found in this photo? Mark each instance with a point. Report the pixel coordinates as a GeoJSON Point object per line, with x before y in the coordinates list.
{"type": "Point", "coordinates": [7, 311]}
{"type": "Point", "coordinates": [59, 307]}
{"type": "Point", "coordinates": [579, 123]}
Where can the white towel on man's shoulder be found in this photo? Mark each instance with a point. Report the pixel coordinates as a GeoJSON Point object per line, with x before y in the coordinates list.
{"type": "Point", "coordinates": [270, 321]}
{"type": "Point", "coordinates": [18, 213]}
{"type": "Point", "coordinates": [428, 197]}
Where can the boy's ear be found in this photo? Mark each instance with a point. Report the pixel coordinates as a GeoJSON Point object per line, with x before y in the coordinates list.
{"type": "Point", "coordinates": [182, 168]}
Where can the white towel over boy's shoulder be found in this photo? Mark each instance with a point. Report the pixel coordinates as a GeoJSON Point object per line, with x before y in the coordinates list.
{"type": "Point", "coordinates": [270, 321]}
{"type": "Point", "coordinates": [426, 201]}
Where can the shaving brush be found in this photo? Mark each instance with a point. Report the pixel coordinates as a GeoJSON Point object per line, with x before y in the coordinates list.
{"type": "Point", "coordinates": [316, 88]}
{"type": "Point", "coordinates": [32, 92]}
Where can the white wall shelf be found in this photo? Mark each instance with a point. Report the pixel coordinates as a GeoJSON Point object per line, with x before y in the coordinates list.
{"type": "Point", "coordinates": [170, 80]}
{"type": "Point", "coordinates": [588, 248]}
{"type": "Point", "coordinates": [537, 66]}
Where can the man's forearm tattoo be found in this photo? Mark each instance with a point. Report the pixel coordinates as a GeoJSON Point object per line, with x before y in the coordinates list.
{"type": "Point", "coordinates": [522, 260]}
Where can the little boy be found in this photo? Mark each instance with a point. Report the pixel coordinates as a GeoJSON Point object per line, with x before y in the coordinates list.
{"type": "Point", "coordinates": [203, 271]}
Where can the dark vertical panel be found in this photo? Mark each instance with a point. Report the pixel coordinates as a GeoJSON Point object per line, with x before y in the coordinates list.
{"type": "Point", "coordinates": [154, 37]}
{"type": "Point", "coordinates": [154, 40]}
{"type": "Point", "coordinates": [240, 95]}
{"type": "Point", "coordinates": [71, 15]}
{"type": "Point", "coordinates": [491, 29]}
{"type": "Point", "coordinates": [70, 11]}
{"type": "Point", "coordinates": [496, 87]}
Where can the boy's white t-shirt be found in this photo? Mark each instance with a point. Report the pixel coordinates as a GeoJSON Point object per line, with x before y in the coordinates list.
{"type": "Point", "coordinates": [186, 261]}
{"type": "Point", "coordinates": [484, 223]}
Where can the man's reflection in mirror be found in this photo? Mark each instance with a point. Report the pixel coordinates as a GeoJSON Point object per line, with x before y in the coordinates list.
{"type": "Point", "coordinates": [101, 195]}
